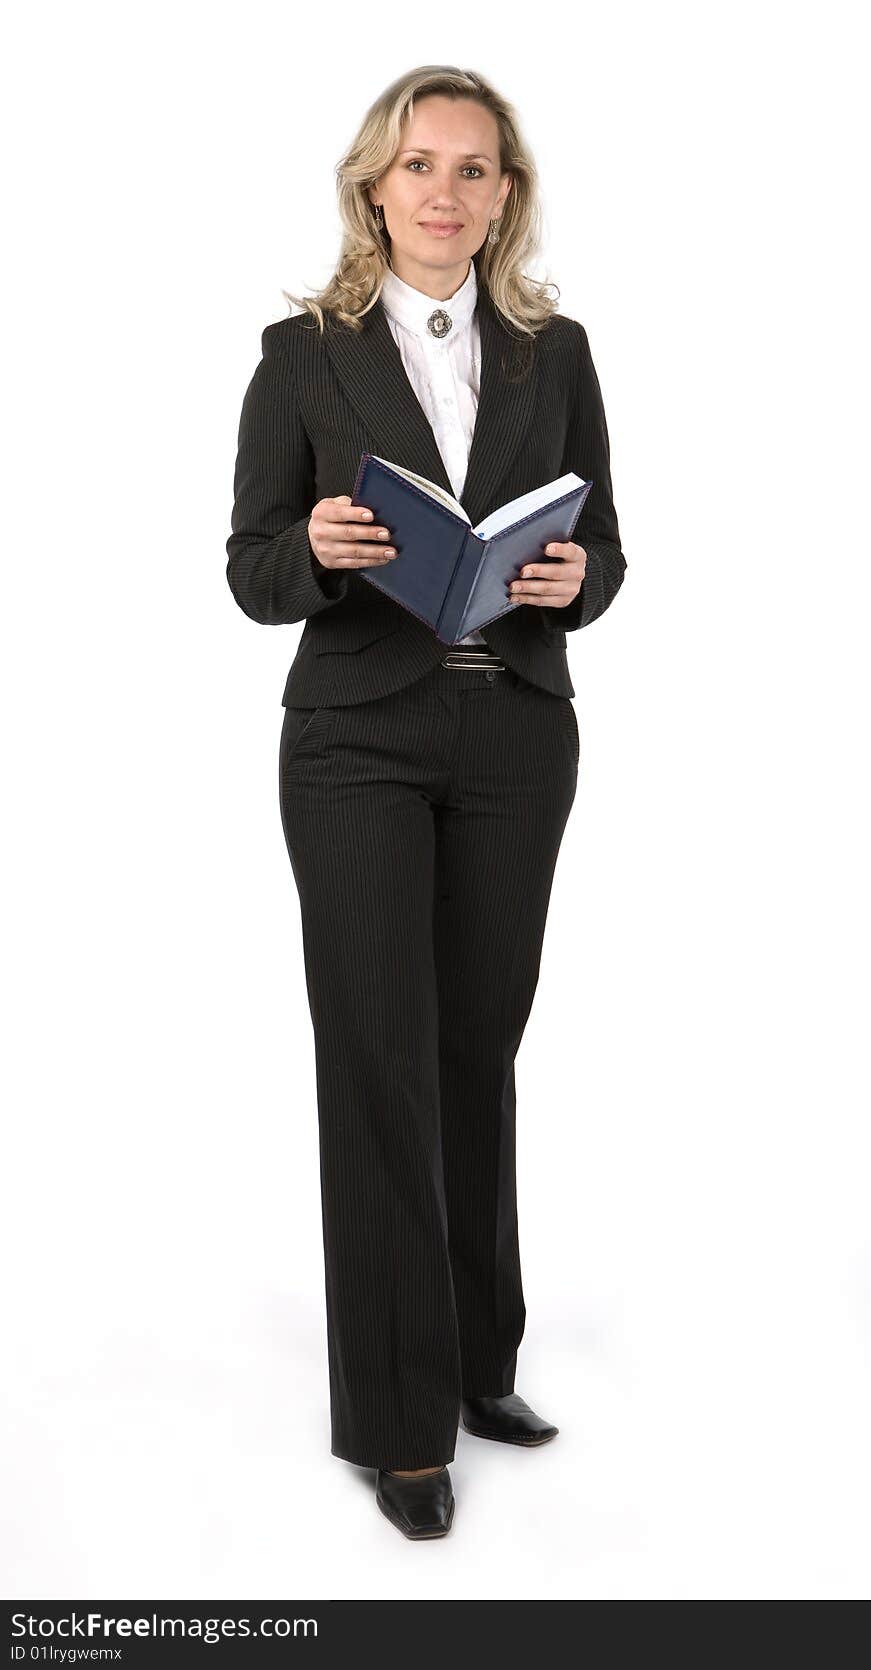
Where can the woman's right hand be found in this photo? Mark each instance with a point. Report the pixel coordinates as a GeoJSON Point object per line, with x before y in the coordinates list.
{"type": "Point", "coordinates": [344, 535]}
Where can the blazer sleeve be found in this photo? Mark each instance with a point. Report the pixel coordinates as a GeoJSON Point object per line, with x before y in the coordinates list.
{"type": "Point", "coordinates": [272, 569]}
{"type": "Point", "coordinates": [587, 452]}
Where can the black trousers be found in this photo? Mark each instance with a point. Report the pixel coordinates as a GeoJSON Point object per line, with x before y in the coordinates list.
{"type": "Point", "coordinates": [423, 830]}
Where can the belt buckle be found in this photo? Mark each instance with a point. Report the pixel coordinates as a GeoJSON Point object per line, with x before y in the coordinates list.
{"type": "Point", "coordinates": [486, 663]}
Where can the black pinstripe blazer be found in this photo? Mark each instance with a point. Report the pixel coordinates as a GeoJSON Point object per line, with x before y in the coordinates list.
{"type": "Point", "coordinates": [316, 402]}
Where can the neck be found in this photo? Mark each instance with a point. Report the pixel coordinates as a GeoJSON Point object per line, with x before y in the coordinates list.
{"type": "Point", "coordinates": [438, 282]}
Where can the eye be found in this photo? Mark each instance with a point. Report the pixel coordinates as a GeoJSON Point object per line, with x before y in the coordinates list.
{"type": "Point", "coordinates": [479, 172]}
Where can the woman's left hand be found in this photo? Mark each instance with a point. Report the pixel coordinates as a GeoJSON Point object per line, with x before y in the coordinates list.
{"type": "Point", "coordinates": [551, 585]}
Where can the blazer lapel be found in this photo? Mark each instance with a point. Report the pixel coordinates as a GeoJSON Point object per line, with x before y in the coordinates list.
{"type": "Point", "coordinates": [369, 366]}
{"type": "Point", "coordinates": [506, 401]}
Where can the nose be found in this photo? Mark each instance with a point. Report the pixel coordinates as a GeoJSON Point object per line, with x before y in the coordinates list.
{"type": "Point", "coordinates": [445, 199]}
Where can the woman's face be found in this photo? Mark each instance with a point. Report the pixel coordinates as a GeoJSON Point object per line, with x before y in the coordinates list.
{"type": "Point", "coordinates": [441, 191]}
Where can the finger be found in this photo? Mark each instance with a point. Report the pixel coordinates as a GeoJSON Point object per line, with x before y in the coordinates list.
{"type": "Point", "coordinates": [348, 531]}
{"type": "Point", "coordinates": [546, 600]}
{"type": "Point", "coordinates": [542, 588]}
{"type": "Point", "coordinates": [339, 529]}
{"type": "Point", "coordinates": [548, 574]}
{"type": "Point", "coordinates": [553, 570]}
{"type": "Point", "coordinates": [565, 586]}
{"type": "Point", "coordinates": [344, 555]}
{"type": "Point", "coordinates": [345, 511]}
{"type": "Point", "coordinates": [356, 520]}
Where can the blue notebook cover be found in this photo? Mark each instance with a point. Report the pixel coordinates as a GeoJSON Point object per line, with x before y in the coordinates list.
{"type": "Point", "coordinates": [452, 576]}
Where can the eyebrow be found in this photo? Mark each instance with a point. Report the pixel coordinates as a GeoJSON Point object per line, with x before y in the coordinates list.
{"type": "Point", "coordinates": [470, 156]}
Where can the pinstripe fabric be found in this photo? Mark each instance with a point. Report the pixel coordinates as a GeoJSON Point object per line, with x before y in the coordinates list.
{"type": "Point", "coordinates": [423, 832]}
{"type": "Point", "coordinates": [423, 810]}
{"type": "Point", "coordinates": [315, 403]}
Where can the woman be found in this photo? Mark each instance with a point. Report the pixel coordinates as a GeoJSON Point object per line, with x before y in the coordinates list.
{"type": "Point", "coordinates": [423, 792]}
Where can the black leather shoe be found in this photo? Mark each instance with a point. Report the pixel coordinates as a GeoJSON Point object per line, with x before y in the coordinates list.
{"type": "Point", "coordinates": [421, 1507]}
{"type": "Point", "coordinates": [509, 1419]}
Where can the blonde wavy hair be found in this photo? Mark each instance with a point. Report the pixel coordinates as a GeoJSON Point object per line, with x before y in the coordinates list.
{"type": "Point", "coordinates": [364, 253]}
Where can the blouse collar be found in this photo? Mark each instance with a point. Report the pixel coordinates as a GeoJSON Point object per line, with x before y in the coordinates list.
{"type": "Point", "coordinates": [413, 309]}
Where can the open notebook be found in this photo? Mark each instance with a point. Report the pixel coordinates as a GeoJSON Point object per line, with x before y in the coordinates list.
{"type": "Point", "coordinates": [451, 575]}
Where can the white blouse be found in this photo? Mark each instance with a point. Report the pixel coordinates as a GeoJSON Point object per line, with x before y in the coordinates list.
{"type": "Point", "coordinates": [445, 372]}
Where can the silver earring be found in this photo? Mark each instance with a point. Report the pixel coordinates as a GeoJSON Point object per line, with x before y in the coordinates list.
{"type": "Point", "coordinates": [379, 218]}
{"type": "Point", "coordinates": [493, 237]}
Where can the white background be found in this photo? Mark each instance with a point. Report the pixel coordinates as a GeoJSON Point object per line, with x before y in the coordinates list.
{"type": "Point", "coordinates": [693, 1115]}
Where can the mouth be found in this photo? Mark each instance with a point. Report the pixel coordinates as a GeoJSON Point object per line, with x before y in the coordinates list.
{"type": "Point", "coordinates": [441, 228]}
